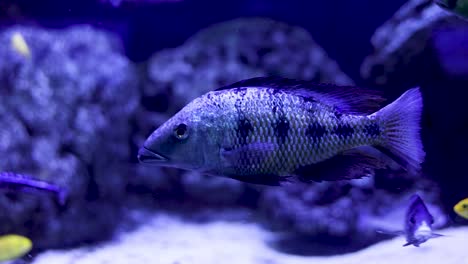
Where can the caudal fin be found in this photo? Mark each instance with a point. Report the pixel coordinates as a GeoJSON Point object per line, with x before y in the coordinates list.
{"type": "Point", "coordinates": [401, 129]}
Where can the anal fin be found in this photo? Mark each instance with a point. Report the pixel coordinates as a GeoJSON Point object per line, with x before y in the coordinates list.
{"type": "Point", "coordinates": [391, 232]}
{"type": "Point", "coordinates": [352, 164]}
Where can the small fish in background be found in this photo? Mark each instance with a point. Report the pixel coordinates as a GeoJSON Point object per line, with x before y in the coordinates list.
{"type": "Point", "coordinates": [457, 7]}
{"type": "Point", "coordinates": [418, 223]}
{"type": "Point", "coordinates": [269, 130]}
{"type": "Point", "coordinates": [18, 43]}
{"type": "Point", "coordinates": [461, 208]}
{"type": "Point", "coordinates": [16, 181]}
{"type": "Point", "coordinates": [14, 246]}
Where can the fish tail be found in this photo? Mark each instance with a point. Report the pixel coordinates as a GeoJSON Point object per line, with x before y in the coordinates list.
{"type": "Point", "coordinates": [401, 129]}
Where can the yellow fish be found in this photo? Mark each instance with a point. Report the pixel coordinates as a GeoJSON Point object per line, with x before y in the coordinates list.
{"type": "Point", "coordinates": [461, 208]}
{"type": "Point", "coordinates": [13, 247]}
{"type": "Point", "coordinates": [19, 44]}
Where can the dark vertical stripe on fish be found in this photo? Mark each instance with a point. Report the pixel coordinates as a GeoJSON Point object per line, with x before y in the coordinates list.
{"type": "Point", "coordinates": [337, 114]}
{"type": "Point", "coordinates": [315, 131]}
{"type": "Point", "coordinates": [344, 130]}
{"type": "Point", "coordinates": [309, 100]}
{"type": "Point", "coordinates": [243, 129]}
{"type": "Point", "coordinates": [281, 125]}
{"type": "Point", "coordinates": [372, 130]}
{"type": "Point", "coordinates": [282, 128]}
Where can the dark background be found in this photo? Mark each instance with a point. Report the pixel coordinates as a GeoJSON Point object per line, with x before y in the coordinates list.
{"type": "Point", "coordinates": [342, 27]}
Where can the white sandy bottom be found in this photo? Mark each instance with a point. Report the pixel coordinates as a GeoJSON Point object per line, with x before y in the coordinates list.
{"type": "Point", "coordinates": [169, 240]}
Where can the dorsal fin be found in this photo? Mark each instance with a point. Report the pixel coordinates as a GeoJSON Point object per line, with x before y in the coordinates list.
{"type": "Point", "coordinates": [347, 99]}
{"type": "Point", "coordinates": [270, 82]}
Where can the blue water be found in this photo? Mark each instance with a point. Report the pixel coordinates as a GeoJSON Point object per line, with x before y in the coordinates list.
{"type": "Point", "coordinates": [97, 79]}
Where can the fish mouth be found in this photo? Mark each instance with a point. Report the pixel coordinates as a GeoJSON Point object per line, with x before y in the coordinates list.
{"type": "Point", "coordinates": [148, 156]}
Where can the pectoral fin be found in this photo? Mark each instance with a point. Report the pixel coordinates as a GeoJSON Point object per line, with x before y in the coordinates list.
{"type": "Point", "coordinates": [247, 155]}
{"type": "Point", "coordinates": [435, 235]}
{"type": "Point", "coordinates": [391, 232]}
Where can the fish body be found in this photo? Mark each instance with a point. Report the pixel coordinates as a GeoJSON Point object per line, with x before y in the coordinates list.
{"type": "Point", "coordinates": [16, 181]}
{"type": "Point", "coordinates": [457, 7]}
{"type": "Point", "coordinates": [461, 208]}
{"type": "Point", "coordinates": [13, 247]}
{"type": "Point", "coordinates": [266, 130]}
{"type": "Point", "coordinates": [418, 223]}
{"type": "Point", "coordinates": [18, 43]}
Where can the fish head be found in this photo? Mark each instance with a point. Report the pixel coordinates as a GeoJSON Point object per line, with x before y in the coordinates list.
{"type": "Point", "coordinates": [418, 218]}
{"type": "Point", "coordinates": [423, 232]}
{"type": "Point", "coordinates": [185, 141]}
{"type": "Point", "coordinates": [419, 221]}
{"type": "Point", "coordinates": [461, 208]}
{"type": "Point", "coordinates": [14, 246]}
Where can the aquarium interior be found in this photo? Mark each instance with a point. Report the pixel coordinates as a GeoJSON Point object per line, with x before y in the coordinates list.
{"type": "Point", "coordinates": [83, 83]}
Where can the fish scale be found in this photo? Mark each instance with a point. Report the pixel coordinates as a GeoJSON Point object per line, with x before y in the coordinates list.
{"type": "Point", "coordinates": [298, 148]}
{"type": "Point", "coordinates": [267, 129]}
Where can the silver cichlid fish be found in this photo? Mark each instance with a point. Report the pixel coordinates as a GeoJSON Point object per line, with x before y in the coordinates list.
{"type": "Point", "coordinates": [268, 130]}
{"type": "Point", "coordinates": [418, 223]}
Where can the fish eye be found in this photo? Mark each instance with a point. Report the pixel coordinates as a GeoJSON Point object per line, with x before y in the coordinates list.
{"type": "Point", "coordinates": [181, 131]}
{"type": "Point", "coordinates": [412, 220]}
{"type": "Point", "coordinates": [465, 206]}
